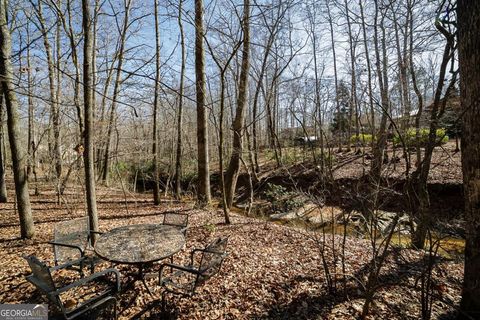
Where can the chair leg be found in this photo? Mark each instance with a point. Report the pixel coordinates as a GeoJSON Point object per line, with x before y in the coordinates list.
{"type": "Point", "coordinates": [81, 269]}
{"type": "Point", "coordinates": [115, 310]}
{"type": "Point", "coordinates": [163, 302]}
{"type": "Point", "coordinates": [92, 266]}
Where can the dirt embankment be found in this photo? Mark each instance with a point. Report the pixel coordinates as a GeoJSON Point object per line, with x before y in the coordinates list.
{"type": "Point", "coordinates": [350, 181]}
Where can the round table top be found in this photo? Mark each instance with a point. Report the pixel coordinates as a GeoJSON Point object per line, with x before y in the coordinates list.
{"type": "Point", "coordinates": [140, 243]}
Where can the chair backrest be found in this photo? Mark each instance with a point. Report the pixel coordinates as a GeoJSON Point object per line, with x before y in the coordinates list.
{"type": "Point", "coordinates": [73, 232]}
{"type": "Point", "coordinates": [175, 219]}
{"type": "Point", "coordinates": [212, 258]}
{"type": "Point", "coordinates": [41, 276]}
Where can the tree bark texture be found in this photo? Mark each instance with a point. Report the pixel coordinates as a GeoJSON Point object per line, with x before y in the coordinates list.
{"type": "Point", "coordinates": [88, 103]}
{"type": "Point", "coordinates": [19, 154]}
{"type": "Point", "coordinates": [468, 17]}
{"type": "Point", "coordinates": [178, 160]}
{"type": "Point", "coordinates": [3, 185]}
{"type": "Point", "coordinates": [203, 192]}
{"type": "Point", "coordinates": [238, 124]}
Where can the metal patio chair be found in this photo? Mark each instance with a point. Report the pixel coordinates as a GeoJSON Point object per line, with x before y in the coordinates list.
{"type": "Point", "coordinates": [73, 242]}
{"type": "Point", "coordinates": [178, 220]}
{"type": "Point", "coordinates": [184, 280]}
{"type": "Point", "coordinates": [42, 279]}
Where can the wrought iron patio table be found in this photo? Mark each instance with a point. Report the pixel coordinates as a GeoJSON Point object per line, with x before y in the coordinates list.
{"type": "Point", "coordinates": [140, 245]}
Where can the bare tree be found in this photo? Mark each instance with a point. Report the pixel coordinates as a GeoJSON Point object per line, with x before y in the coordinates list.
{"type": "Point", "coordinates": [156, 105]}
{"type": "Point", "coordinates": [418, 188]}
{"type": "Point", "coordinates": [231, 175]}
{"type": "Point", "coordinates": [116, 89]}
{"type": "Point", "coordinates": [18, 152]}
{"type": "Point", "coordinates": [54, 86]}
{"type": "Point", "coordinates": [89, 104]}
{"type": "Point", "coordinates": [335, 72]}
{"type": "Point", "coordinates": [203, 190]}
{"type": "Point", "coordinates": [381, 59]}
{"type": "Point", "coordinates": [178, 158]}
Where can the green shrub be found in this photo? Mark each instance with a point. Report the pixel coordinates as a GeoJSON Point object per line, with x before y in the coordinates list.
{"type": "Point", "coordinates": [281, 199]}
{"type": "Point", "coordinates": [362, 138]}
{"type": "Point", "coordinates": [410, 137]}
{"type": "Point", "coordinates": [275, 191]}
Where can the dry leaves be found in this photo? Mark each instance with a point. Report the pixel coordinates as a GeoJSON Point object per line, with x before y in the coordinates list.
{"type": "Point", "coordinates": [272, 271]}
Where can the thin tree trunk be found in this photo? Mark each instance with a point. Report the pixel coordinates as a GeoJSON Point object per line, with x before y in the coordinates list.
{"type": "Point", "coordinates": [382, 64]}
{"type": "Point", "coordinates": [116, 91]}
{"type": "Point", "coordinates": [419, 178]}
{"type": "Point", "coordinates": [416, 89]}
{"type": "Point", "coordinates": [238, 124]}
{"type": "Point", "coordinates": [103, 105]}
{"type": "Point", "coordinates": [56, 119]}
{"type": "Point", "coordinates": [31, 128]}
{"type": "Point", "coordinates": [156, 106]}
{"type": "Point", "coordinates": [335, 74]}
{"type": "Point", "coordinates": [369, 72]}
{"type": "Point", "coordinates": [178, 160]}
{"type": "Point", "coordinates": [317, 100]}
{"type": "Point", "coordinates": [203, 190]}
{"type": "Point", "coordinates": [54, 93]}
{"type": "Point", "coordinates": [273, 31]}
{"type": "Point", "coordinates": [3, 185]}
{"type": "Point", "coordinates": [88, 103]}
{"type": "Point", "coordinates": [73, 48]}
{"type": "Point", "coordinates": [353, 82]}
{"type": "Point", "coordinates": [19, 153]}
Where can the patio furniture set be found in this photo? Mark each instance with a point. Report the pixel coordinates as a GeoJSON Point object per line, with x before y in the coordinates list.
{"type": "Point", "coordinates": [140, 245]}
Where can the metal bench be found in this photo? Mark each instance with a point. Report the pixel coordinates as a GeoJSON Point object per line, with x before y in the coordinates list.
{"type": "Point", "coordinates": [42, 279]}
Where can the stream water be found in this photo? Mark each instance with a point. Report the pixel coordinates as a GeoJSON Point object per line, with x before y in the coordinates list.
{"type": "Point", "coordinates": [448, 247]}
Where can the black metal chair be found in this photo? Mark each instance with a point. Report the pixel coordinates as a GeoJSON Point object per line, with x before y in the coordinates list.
{"type": "Point", "coordinates": [42, 279]}
{"type": "Point", "coordinates": [72, 242]}
{"type": "Point", "coordinates": [184, 280]}
{"type": "Point", "coordinates": [179, 220]}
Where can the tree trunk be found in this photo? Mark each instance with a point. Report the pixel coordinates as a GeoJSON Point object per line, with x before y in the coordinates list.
{"type": "Point", "coordinates": [335, 74]}
{"type": "Point", "coordinates": [353, 82]}
{"type": "Point", "coordinates": [3, 185]}
{"type": "Point", "coordinates": [178, 160]}
{"type": "Point", "coordinates": [156, 105]}
{"type": "Point", "coordinates": [19, 153]}
{"type": "Point", "coordinates": [238, 124]}
{"type": "Point", "coordinates": [203, 189]}
{"type": "Point", "coordinates": [369, 72]}
{"type": "Point", "coordinates": [418, 180]}
{"type": "Point", "coordinates": [54, 93]}
{"type": "Point", "coordinates": [73, 48]}
{"type": "Point", "coordinates": [56, 115]}
{"type": "Point", "coordinates": [272, 35]}
{"type": "Point", "coordinates": [88, 103]}
{"type": "Point", "coordinates": [116, 91]}
{"type": "Point", "coordinates": [468, 18]}
{"type": "Point", "coordinates": [381, 64]}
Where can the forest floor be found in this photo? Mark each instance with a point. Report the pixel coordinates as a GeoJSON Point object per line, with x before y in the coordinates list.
{"type": "Point", "coordinates": [272, 271]}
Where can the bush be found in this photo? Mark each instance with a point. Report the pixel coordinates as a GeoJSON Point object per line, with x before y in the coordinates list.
{"type": "Point", "coordinates": [410, 137]}
{"type": "Point", "coordinates": [281, 199]}
{"type": "Point", "coordinates": [362, 138]}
